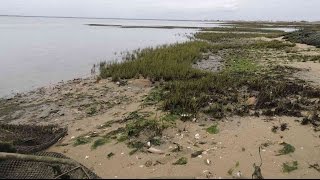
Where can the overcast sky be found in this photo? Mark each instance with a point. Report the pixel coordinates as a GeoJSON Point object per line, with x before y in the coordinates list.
{"type": "Point", "coordinates": [168, 9]}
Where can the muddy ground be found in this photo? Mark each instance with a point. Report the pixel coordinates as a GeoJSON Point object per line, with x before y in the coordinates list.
{"type": "Point", "coordinates": [86, 105]}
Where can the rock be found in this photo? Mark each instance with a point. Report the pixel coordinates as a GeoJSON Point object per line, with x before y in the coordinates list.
{"type": "Point", "coordinates": [208, 162]}
{"type": "Point", "coordinates": [148, 163]}
{"type": "Point", "coordinates": [251, 101]}
{"type": "Point", "coordinates": [149, 144]}
{"type": "Point", "coordinates": [196, 154]}
{"type": "Point", "coordinates": [155, 151]}
{"type": "Point", "coordinates": [197, 136]}
{"type": "Point", "coordinates": [239, 174]}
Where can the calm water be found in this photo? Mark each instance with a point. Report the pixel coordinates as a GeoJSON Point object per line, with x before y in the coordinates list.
{"type": "Point", "coordinates": [39, 51]}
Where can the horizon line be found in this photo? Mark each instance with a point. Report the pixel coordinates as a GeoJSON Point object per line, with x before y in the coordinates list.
{"type": "Point", "coordinates": [123, 18]}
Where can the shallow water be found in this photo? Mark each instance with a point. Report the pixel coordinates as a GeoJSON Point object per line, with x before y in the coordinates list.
{"type": "Point", "coordinates": [38, 51]}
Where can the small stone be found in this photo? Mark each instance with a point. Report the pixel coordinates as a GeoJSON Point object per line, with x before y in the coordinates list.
{"type": "Point", "coordinates": [141, 166]}
{"type": "Point", "coordinates": [208, 162]}
{"type": "Point", "coordinates": [87, 157]}
{"type": "Point", "coordinates": [72, 137]}
{"type": "Point", "coordinates": [155, 151]}
{"type": "Point", "coordinates": [149, 144]}
{"type": "Point", "coordinates": [239, 174]}
{"type": "Point", "coordinates": [251, 101]}
{"type": "Point", "coordinates": [197, 136]}
{"type": "Point", "coordinates": [196, 154]}
{"type": "Point", "coordinates": [148, 163]}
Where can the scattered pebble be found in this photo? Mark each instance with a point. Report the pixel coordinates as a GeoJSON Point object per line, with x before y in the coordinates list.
{"type": "Point", "coordinates": [239, 174]}
{"type": "Point", "coordinates": [155, 151]}
{"type": "Point", "coordinates": [197, 136]}
{"type": "Point", "coordinates": [87, 157]}
{"type": "Point", "coordinates": [73, 137]}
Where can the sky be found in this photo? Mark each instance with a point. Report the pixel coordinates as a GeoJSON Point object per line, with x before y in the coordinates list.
{"type": "Point", "coordinates": [271, 10]}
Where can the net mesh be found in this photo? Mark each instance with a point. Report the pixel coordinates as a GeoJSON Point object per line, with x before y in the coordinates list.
{"type": "Point", "coordinates": [29, 139]}
{"type": "Point", "coordinates": [18, 169]}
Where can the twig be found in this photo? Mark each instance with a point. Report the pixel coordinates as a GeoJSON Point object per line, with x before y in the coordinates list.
{"type": "Point", "coordinates": [67, 172]}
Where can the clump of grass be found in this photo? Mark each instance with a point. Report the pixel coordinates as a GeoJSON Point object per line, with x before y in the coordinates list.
{"type": "Point", "coordinates": [154, 97]}
{"type": "Point", "coordinates": [213, 129]}
{"type": "Point", "coordinates": [241, 29]}
{"type": "Point", "coordinates": [91, 110]}
{"type": "Point", "coordinates": [218, 37]}
{"type": "Point", "coordinates": [100, 142]}
{"type": "Point", "coordinates": [181, 161]}
{"type": "Point", "coordinates": [164, 62]}
{"type": "Point", "coordinates": [289, 166]}
{"type": "Point", "coordinates": [230, 171]}
{"type": "Point", "coordinates": [306, 36]}
{"type": "Point", "coordinates": [287, 149]}
{"type": "Point", "coordinates": [81, 140]}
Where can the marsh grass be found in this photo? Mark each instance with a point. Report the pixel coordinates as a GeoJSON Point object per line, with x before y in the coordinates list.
{"type": "Point", "coordinates": [213, 129]}
{"type": "Point", "coordinates": [186, 90]}
{"type": "Point", "coordinates": [289, 166]}
{"type": "Point", "coordinates": [242, 29]}
{"type": "Point", "coordinates": [81, 140]}
{"type": "Point", "coordinates": [287, 149]}
{"type": "Point", "coordinates": [181, 161]}
{"type": "Point", "coordinates": [305, 36]}
{"type": "Point", "coordinates": [220, 37]}
{"type": "Point", "coordinates": [100, 142]}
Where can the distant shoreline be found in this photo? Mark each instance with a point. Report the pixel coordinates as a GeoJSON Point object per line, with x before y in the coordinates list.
{"type": "Point", "coordinates": [154, 27]}
{"type": "Point", "coordinates": [138, 19]}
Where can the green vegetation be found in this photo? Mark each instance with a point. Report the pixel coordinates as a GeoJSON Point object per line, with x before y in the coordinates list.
{"type": "Point", "coordinates": [213, 129]}
{"type": "Point", "coordinates": [305, 36]}
{"type": "Point", "coordinates": [181, 161]}
{"type": "Point", "coordinates": [289, 166]}
{"type": "Point", "coordinates": [184, 91]}
{"type": "Point", "coordinates": [139, 130]}
{"type": "Point", "coordinates": [220, 37]}
{"type": "Point", "coordinates": [100, 142]}
{"type": "Point", "coordinates": [81, 140]}
{"type": "Point", "coordinates": [154, 97]}
{"type": "Point", "coordinates": [165, 62]}
{"type": "Point", "coordinates": [230, 171]}
{"type": "Point", "coordinates": [92, 110]}
{"type": "Point", "coordinates": [287, 149]}
{"type": "Point", "coordinates": [189, 90]}
{"type": "Point", "coordinates": [241, 29]}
